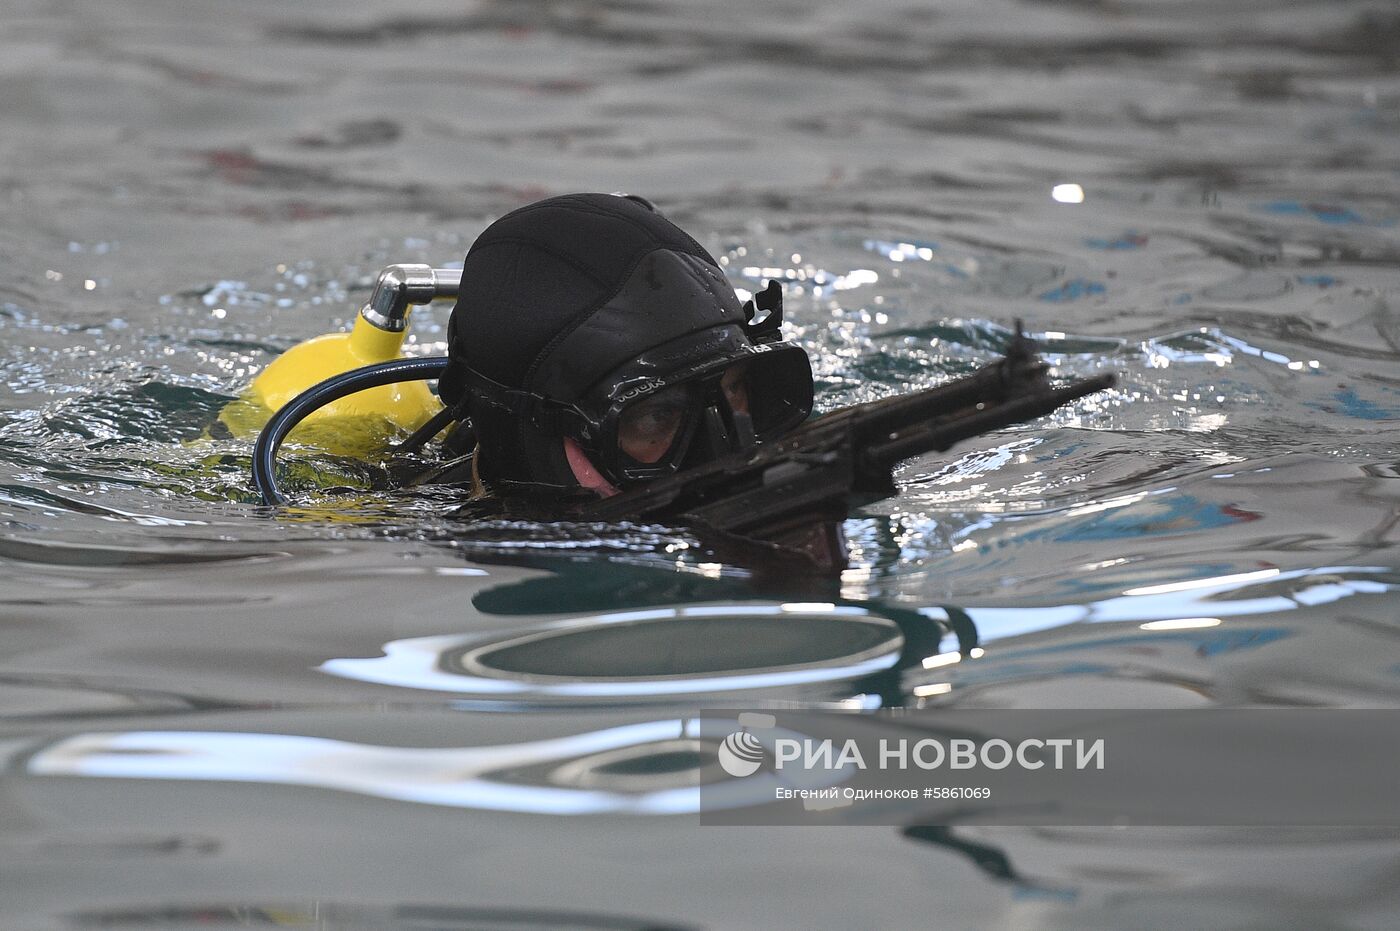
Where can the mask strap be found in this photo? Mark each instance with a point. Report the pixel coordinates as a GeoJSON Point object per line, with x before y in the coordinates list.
{"type": "Point", "coordinates": [543, 412]}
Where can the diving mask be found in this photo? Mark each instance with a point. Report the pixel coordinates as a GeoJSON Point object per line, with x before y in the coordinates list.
{"type": "Point", "coordinates": [646, 424]}
{"type": "Point", "coordinates": [651, 426]}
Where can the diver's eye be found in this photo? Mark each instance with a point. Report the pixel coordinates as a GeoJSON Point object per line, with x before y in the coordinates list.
{"type": "Point", "coordinates": [735, 383]}
{"type": "Point", "coordinates": [647, 430]}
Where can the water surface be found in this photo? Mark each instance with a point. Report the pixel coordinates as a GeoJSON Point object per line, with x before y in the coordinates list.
{"type": "Point", "coordinates": [361, 714]}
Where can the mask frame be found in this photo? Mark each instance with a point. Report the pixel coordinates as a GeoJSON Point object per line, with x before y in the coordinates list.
{"type": "Point", "coordinates": [779, 385]}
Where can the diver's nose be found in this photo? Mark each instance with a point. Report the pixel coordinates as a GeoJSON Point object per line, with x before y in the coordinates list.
{"type": "Point", "coordinates": [716, 434]}
{"type": "Point", "coordinates": [725, 435]}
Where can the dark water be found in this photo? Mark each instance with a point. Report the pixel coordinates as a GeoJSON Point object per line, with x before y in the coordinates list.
{"type": "Point", "coordinates": [355, 716]}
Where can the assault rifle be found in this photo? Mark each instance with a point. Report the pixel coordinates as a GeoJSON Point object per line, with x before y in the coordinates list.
{"type": "Point", "coordinates": [786, 500]}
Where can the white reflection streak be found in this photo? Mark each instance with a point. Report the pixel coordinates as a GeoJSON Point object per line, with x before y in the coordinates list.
{"type": "Point", "coordinates": [1218, 582]}
{"type": "Point", "coordinates": [1247, 349]}
{"type": "Point", "coordinates": [1119, 502]}
{"type": "Point", "coordinates": [454, 777]}
{"type": "Point", "coordinates": [1161, 355]}
{"type": "Point", "coordinates": [948, 659]}
{"type": "Point", "coordinates": [1174, 600]}
{"type": "Point", "coordinates": [1182, 623]}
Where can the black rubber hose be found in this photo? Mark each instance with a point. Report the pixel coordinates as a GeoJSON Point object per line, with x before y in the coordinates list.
{"type": "Point", "coordinates": [435, 425]}
{"type": "Point", "coordinates": [318, 396]}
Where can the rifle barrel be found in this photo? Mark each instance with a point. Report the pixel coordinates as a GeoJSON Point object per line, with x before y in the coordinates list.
{"type": "Point", "coordinates": [989, 383]}
{"type": "Point", "coordinates": [932, 436]}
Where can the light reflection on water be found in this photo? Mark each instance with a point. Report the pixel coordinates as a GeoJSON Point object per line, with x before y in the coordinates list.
{"type": "Point", "coordinates": [449, 777]}
{"type": "Point", "coordinates": [668, 653]}
{"type": "Point", "coordinates": [654, 768]}
{"type": "Point", "coordinates": [1225, 596]}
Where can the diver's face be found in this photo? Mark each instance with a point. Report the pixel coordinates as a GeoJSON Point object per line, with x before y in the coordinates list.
{"type": "Point", "coordinates": [648, 429]}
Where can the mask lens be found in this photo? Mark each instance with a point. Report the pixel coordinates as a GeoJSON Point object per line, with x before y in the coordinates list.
{"type": "Point", "coordinates": [735, 385]}
{"type": "Point", "coordinates": [774, 389]}
{"type": "Point", "coordinates": [695, 419]}
{"type": "Point", "coordinates": [647, 430]}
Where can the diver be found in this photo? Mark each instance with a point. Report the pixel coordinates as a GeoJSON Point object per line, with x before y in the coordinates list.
{"type": "Point", "coordinates": [594, 346]}
{"type": "Point", "coordinates": [600, 367]}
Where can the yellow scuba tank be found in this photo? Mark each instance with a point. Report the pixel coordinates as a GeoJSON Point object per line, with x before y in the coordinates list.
{"type": "Point", "coordinates": [368, 420]}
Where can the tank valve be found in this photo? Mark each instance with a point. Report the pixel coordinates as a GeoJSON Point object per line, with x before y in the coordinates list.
{"type": "Point", "coordinates": [401, 286]}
